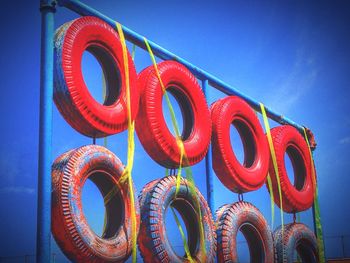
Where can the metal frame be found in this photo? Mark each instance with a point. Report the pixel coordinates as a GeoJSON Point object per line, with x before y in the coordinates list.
{"type": "Point", "coordinates": [47, 8]}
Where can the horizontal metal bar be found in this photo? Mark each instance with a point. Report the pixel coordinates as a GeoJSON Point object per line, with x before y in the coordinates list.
{"type": "Point", "coordinates": [164, 54]}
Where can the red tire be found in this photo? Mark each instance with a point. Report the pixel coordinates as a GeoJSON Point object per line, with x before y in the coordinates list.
{"type": "Point", "coordinates": [71, 94]}
{"type": "Point", "coordinates": [155, 199]}
{"type": "Point", "coordinates": [151, 127]}
{"type": "Point", "coordinates": [298, 238]}
{"type": "Point", "coordinates": [69, 226]}
{"type": "Point", "coordinates": [247, 218]}
{"type": "Point", "coordinates": [237, 177]}
{"type": "Point", "coordinates": [298, 197]}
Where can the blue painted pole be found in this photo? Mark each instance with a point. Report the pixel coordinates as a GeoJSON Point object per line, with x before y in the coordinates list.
{"type": "Point", "coordinates": [208, 161]}
{"type": "Point", "coordinates": [43, 249]}
{"type": "Point", "coordinates": [162, 53]}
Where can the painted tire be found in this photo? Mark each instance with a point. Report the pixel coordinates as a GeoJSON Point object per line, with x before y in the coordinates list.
{"type": "Point", "coordinates": [71, 95]}
{"type": "Point", "coordinates": [298, 197]}
{"type": "Point", "coordinates": [296, 237]}
{"type": "Point", "coordinates": [247, 218]}
{"type": "Point", "coordinates": [237, 177]}
{"type": "Point", "coordinates": [151, 127]}
{"type": "Point", "coordinates": [69, 226]}
{"type": "Point", "coordinates": [153, 243]}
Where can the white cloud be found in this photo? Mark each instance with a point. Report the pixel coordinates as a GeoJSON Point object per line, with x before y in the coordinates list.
{"type": "Point", "coordinates": [345, 140]}
{"type": "Point", "coordinates": [17, 190]}
{"type": "Point", "coordinates": [291, 88]}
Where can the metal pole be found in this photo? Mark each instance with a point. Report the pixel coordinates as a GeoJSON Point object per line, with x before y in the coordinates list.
{"type": "Point", "coordinates": [162, 53]}
{"type": "Point", "coordinates": [47, 9]}
{"type": "Point", "coordinates": [208, 161]}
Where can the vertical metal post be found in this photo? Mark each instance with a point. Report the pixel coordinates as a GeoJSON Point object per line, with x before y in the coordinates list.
{"type": "Point", "coordinates": [208, 161]}
{"type": "Point", "coordinates": [47, 9]}
{"type": "Point", "coordinates": [343, 245]}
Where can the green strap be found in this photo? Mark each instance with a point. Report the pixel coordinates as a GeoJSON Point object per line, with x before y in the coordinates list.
{"type": "Point", "coordinates": [183, 156]}
{"type": "Point", "coordinates": [319, 232]}
{"type": "Point", "coordinates": [272, 203]}
{"type": "Point", "coordinates": [187, 250]}
{"type": "Point", "coordinates": [133, 52]}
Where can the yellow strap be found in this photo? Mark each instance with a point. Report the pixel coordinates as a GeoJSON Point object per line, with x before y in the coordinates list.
{"type": "Point", "coordinates": [131, 143]}
{"type": "Point", "coordinates": [319, 234]}
{"type": "Point", "coordinates": [172, 114]}
{"type": "Point", "coordinates": [188, 253]}
{"type": "Point", "coordinates": [269, 185]}
{"type": "Point", "coordinates": [182, 153]}
{"type": "Point", "coordinates": [192, 188]}
{"type": "Point", "coordinates": [183, 156]}
{"type": "Point", "coordinates": [274, 160]}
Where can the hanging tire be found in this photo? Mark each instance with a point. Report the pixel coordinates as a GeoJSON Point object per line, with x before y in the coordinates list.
{"type": "Point", "coordinates": [71, 95]}
{"type": "Point", "coordinates": [153, 242]}
{"type": "Point", "coordinates": [300, 196]}
{"type": "Point", "coordinates": [296, 237]}
{"type": "Point", "coordinates": [151, 127]}
{"type": "Point", "coordinates": [237, 177]}
{"type": "Point", "coordinates": [248, 219]}
{"type": "Point", "coordinates": [69, 225]}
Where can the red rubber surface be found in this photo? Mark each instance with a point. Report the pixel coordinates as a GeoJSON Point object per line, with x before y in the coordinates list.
{"type": "Point", "coordinates": [151, 127]}
{"type": "Point", "coordinates": [71, 94]}
{"type": "Point", "coordinates": [296, 237]}
{"type": "Point", "coordinates": [155, 199]}
{"type": "Point", "coordinates": [237, 177]}
{"type": "Point", "coordinates": [69, 226]}
{"type": "Point", "coordinates": [300, 196]}
{"type": "Point", "coordinates": [247, 218]}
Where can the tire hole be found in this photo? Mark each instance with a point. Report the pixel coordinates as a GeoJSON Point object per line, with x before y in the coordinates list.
{"type": "Point", "coordinates": [104, 219]}
{"type": "Point", "coordinates": [101, 75]}
{"type": "Point", "coordinates": [188, 221]}
{"type": "Point", "coordinates": [242, 143]}
{"type": "Point", "coordinates": [183, 112]}
{"type": "Point", "coordinates": [304, 252]}
{"type": "Point", "coordinates": [254, 243]}
{"type": "Point", "coordinates": [242, 248]}
{"type": "Point", "coordinates": [93, 207]}
{"type": "Point", "coordinates": [295, 167]}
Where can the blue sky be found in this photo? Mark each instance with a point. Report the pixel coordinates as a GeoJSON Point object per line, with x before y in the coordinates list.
{"type": "Point", "coordinates": [293, 56]}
